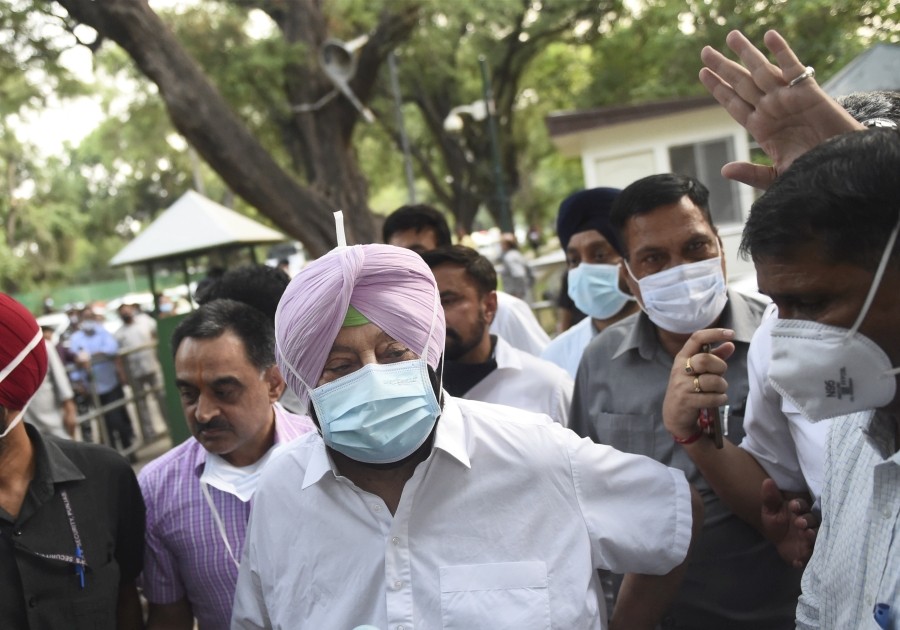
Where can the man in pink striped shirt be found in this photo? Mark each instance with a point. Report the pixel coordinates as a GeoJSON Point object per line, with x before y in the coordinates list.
{"type": "Point", "coordinates": [198, 494]}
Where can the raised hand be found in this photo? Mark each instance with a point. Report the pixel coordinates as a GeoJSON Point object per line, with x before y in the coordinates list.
{"type": "Point", "coordinates": [785, 120]}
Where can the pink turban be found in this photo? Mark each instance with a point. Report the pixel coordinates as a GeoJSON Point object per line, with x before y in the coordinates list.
{"type": "Point", "coordinates": [18, 331]}
{"type": "Point", "coordinates": [391, 286]}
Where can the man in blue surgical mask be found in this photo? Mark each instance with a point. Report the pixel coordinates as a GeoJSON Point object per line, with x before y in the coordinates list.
{"type": "Point", "coordinates": [595, 280]}
{"type": "Point", "coordinates": [674, 267]}
{"type": "Point", "coordinates": [414, 509]}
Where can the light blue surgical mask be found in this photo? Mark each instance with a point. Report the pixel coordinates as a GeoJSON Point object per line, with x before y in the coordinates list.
{"type": "Point", "coordinates": [379, 414]}
{"type": "Point", "coordinates": [595, 290]}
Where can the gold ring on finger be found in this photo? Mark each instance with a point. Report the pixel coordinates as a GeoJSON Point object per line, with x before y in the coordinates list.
{"type": "Point", "coordinates": [697, 389]}
{"type": "Point", "coordinates": [688, 368]}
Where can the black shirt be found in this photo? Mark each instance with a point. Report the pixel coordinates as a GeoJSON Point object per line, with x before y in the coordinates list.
{"type": "Point", "coordinates": [108, 514]}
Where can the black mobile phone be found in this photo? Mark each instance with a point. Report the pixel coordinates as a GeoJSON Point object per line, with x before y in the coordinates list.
{"type": "Point", "coordinates": [716, 427]}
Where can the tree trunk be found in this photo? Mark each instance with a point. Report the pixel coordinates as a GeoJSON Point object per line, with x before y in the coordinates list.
{"type": "Point", "coordinates": [202, 116]}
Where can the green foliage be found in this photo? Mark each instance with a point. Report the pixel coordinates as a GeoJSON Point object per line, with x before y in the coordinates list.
{"type": "Point", "coordinates": [71, 214]}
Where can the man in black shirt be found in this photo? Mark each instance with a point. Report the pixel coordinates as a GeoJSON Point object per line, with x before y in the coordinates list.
{"type": "Point", "coordinates": [71, 514]}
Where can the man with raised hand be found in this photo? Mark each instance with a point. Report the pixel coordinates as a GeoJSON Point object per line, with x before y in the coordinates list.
{"type": "Point", "coordinates": [824, 241]}
{"type": "Point", "coordinates": [412, 508]}
{"type": "Point", "coordinates": [199, 494]}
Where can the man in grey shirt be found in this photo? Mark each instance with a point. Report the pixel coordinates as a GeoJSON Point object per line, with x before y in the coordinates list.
{"type": "Point", "coordinates": [675, 269]}
{"type": "Point", "coordinates": [52, 410]}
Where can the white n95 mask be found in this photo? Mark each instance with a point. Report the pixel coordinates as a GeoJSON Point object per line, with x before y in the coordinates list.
{"type": "Point", "coordinates": [826, 371]}
{"type": "Point", "coordinates": [686, 298]}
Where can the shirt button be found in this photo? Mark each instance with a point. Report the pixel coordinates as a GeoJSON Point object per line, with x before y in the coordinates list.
{"type": "Point", "coordinates": [376, 507]}
{"type": "Point", "coordinates": [18, 532]}
{"type": "Point", "coordinates": [398, 585]}
{"type": "Point", "coordinates": [395, 540]}
{"type": "Point", "coordinates": [886, 514]}
{"type": "Point", "coordinates": [401, 628]}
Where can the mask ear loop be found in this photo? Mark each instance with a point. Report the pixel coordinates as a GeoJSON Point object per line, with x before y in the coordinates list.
{"type": "Point", "coordinates": [12, 365]}
{"type": "Point", "coordinates": [876, 280]}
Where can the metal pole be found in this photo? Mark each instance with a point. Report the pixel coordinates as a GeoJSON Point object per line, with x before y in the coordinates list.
{"type": "Point", "coordinates": [502, 199]}
{"type": "Point", "coordinates": [401, 125]}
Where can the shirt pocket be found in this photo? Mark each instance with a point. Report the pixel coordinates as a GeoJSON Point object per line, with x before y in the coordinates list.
{"type": "Point", "coordinates": [628, 432]}
{"type": "Point", "coordinates": [513, 595]}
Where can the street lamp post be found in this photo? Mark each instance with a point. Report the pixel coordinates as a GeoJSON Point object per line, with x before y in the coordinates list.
{"type": "Point", "coordinates": [481, 110]}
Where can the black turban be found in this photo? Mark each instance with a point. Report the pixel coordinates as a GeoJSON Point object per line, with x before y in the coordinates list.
{"type": "Point", "coordinates": [587, 210]}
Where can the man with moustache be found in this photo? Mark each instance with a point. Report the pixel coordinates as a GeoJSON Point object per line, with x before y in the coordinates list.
{"type": "Point", "coordinates": [198, 494]}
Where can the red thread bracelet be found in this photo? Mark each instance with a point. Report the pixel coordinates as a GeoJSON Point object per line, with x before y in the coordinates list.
{"type": "Point", "coordinates": [690, 439]}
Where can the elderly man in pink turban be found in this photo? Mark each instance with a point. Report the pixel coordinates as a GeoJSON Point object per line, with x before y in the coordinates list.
{"type": "Point", "coordinates": [412, 509]}
{"type": "Point", "coordinates": [71, 514]}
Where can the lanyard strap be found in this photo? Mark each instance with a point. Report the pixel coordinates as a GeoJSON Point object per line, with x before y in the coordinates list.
{"type": "Point", "coordinates": [219, 524]}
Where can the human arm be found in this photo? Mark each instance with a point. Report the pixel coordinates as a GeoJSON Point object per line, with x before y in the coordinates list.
{"type": "Point", "coordinates": [175, 616]}
{"type": "Point", "coordinates": [785, 121]}
{"type": "Point", "coordinates": [70, 416]}
{"type": "Point", "coordinates": [129, 615]}
{"type": "Point", "coordinates": [643, 599]}
{"type": "Point", "coordinates": [732, 472]}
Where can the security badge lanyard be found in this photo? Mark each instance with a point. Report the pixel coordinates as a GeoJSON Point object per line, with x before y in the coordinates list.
{"type": "Point", "coordinates": [78, 559]}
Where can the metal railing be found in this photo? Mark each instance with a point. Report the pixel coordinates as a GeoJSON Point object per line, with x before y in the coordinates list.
{"type": "Point", "coordinates": [137, 392]}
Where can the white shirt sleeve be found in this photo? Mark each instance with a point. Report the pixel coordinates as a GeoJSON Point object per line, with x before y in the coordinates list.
{"type": "Point", "coordinates": [768, 435]}
{"type": "Point", "coordinates": [632, 532]}
{"type": "Point", "coordinates": [516, 323]}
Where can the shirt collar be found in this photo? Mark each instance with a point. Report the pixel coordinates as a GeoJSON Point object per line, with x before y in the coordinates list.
{"type": "Point", "coordinates": [737, 315]}
{"type": "Point", "coordinates": [450, 437]}
{"type": "Point", "coordinates": [51, 465]}
{"type": "Point", "coordinates": [880, 433]}
{"type": "Point", "coordinates": [506, 356]}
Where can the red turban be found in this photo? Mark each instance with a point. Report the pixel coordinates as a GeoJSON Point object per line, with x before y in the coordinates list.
{"type": "Point", "coordinates": [18, 331]}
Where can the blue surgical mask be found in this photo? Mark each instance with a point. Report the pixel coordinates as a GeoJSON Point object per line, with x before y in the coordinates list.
{"type": "Point", "coordinates": [379, 414]}
{"type": "Point", "coordinates": [595, 290]}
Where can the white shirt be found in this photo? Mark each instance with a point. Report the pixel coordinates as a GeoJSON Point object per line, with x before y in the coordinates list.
{"type": "Point", "coordinates": [856, 561]}
{"type": "Point", "coordinates": [566, 348]}
{"type": "Point", "coordinates": [503, 526]}
{"type": "Point", "coordinates": [525, 382]}
{"type": "Point", "coordinates": [790, 448]}
{"type": "Point", "coordinates": [515, 322]}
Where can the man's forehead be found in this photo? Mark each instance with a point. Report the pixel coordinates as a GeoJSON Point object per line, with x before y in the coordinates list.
{"type": "Point", "coordinates": [586, 238]}
{"type": "Point", "coordinates": [422, 239]}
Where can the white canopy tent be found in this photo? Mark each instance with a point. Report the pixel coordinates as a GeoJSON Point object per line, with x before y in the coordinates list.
{"type": "Point", "coordinates": [193, 226]}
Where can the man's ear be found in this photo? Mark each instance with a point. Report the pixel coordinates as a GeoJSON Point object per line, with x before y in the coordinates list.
{"type": "Point", "coordinates": [490, 306]}
{"type": "Point", "coordinates": [275, 383]}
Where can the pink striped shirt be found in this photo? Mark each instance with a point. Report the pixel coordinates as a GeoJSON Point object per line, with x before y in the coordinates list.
{"type": "Point", "coordinates": [185, 555]}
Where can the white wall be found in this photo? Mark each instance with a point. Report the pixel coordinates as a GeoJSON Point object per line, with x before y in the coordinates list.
{"type": "Point", "coordinates": [617, 155]}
